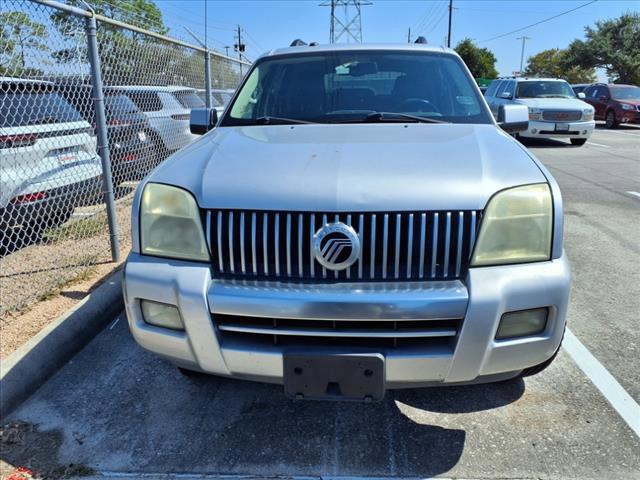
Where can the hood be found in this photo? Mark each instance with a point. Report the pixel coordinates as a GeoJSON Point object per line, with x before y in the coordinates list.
{"type": "Point", "coordinates": [554, 103]}
{"type": "Point", "coordinates": [361, 167]}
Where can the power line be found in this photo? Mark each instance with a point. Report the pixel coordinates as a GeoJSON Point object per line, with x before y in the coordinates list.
{"type": "Point", "coordinates": [538, 23]}
{"type": "Point", "coordinates": [434, 21]}
{"type": "Point", "coordinates": [426, 16]}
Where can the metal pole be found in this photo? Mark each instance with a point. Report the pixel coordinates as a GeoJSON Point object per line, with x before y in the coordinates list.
{"type": "Point", "coordinates": [207, 62]}
{"type": "Point", "coordinates": [450, 15]}
{"type": "Point", "coordinates": [524, 39]}
{"type": "Point", "coordinates": [103, 142]}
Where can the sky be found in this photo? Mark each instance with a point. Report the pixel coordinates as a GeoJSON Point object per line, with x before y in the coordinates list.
{"type": "Point", "coordinates": [268, 24]}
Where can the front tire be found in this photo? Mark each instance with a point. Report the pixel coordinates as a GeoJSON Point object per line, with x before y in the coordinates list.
{"type": "Point", "coordinates": [578, 142]}
{"type": "Point", "coordinates": [610, 120]}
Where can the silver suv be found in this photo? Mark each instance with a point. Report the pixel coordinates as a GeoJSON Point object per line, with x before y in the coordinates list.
{"type": "Point", "coordinates": [554, 109]}
{"type": "Point", "coordinates": [356, 221]}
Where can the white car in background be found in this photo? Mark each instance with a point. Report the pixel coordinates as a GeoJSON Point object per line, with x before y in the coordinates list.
{"type": "Point", "coordinates": [48, 158]}
{"type": "Point", "coordinates": [220, 98]}
{"type": "Point", "coordinates": [554, 109]}
{"type": "Point", "coordinates": [168, 110]}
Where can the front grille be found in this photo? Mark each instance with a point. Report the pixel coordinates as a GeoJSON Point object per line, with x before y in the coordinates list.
{"type": "Point", "coordinates": [394, 246]}
{"type": "Point", "coordinates": [346, 333]}
{"type": "Point", "coordinates": [562, 115]}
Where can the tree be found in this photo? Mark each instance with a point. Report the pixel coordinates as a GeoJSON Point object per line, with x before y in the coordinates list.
{"type": "Point", "coordinates": [126, 56]}
{"type": "Point", "coordinates": [18, 36]}
{"type": "Point", "coordinates": [481, 61]}
{"type": "Point", "coordinates": [555, 63]}
{"type": "Point", "coordinates": [613, 45]}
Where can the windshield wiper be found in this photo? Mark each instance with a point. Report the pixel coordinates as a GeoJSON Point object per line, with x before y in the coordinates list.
{"type": "Point", "coordinates": [392, 117]}
{"type": "Point", "coordinates": [269, 120]}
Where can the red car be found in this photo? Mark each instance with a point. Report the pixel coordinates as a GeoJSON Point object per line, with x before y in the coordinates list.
{"type": "Point", "coordinates": [614, 103]}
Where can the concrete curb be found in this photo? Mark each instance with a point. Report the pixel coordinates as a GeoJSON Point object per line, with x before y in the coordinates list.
{"type": "Point", "coordinates": [31, 365]}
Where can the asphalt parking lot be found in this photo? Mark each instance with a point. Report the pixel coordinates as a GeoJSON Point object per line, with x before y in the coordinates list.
{"type": "Point", "coordinates": [117, 410]}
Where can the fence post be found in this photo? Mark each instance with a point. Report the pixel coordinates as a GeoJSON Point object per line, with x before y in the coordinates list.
{"type": "Point", "coordinates": [207, 78]}
{"type": "Point", "coordinates": [103, 141]}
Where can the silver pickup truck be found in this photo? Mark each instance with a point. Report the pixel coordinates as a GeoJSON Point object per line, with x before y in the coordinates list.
{"type": "Point", "coordinates": [355, 221]}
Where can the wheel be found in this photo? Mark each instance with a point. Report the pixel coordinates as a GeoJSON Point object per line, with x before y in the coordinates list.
{"type": "Point", "coordinates": [191, 373]}
{"type": "Point", "coordinates": [610, 120]}
{"type": "Point", "coordinates": [578, 141]}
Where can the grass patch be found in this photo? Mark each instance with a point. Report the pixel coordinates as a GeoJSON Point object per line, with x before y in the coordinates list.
{"type": "Point", "coordinates": [84, 228]}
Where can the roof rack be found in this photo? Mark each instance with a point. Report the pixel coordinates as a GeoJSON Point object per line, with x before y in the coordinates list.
{"type": "Point", "coordinates": [297, 43]}
{"type": "Point", "coordinates": [421, 39]}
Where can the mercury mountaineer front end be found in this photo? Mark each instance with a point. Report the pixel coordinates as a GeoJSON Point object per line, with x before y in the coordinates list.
{"type": "Point", "coordinates": [314, 240]}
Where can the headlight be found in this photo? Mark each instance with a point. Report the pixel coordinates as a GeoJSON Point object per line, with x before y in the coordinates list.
{"type": "Point", "coordinates": [587, 114]}
{"type": "Point", "coordinates": [170, 224]}
{"type": "Point", "coordinates": [535, 113]}
{"type": "Point", "coordinates": [516, 227]}
{"type": "Point", "coordinates": [626, 106]}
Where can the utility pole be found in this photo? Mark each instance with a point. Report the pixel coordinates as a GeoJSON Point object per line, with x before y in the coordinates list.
{"type": "Point", "coordinates": [239, 47]}
{"type": "Point", "coordinates": [450, 15]}
{"type": "Point", "coordinates": [409, 36]}
{"type": "Point", "coordinates": [524, 39]}
{"type": "Point", "coordinates": [226, 50]}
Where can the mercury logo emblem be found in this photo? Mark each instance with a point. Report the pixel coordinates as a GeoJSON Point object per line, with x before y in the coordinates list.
{"type": "Point", "coordinates": [336, 246]}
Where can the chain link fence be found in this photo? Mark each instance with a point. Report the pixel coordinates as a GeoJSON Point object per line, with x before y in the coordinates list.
{"type": "Point", "coordinates": [63, 135]}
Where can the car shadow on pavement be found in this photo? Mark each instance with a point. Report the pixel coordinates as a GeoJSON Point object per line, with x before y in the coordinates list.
{"type": "Point", "coordinates": [546, 143]}
{"type": "Point", "coordinates": [139, 414]}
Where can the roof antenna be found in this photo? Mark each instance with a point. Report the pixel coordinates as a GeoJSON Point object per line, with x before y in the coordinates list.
{"type": "Point", "coordinates": [297, 43]}
{"type": "Point", "coordinates": [421, 39]}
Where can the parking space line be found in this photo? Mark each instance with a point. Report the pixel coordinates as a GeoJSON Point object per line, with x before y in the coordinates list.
{"type": "Point", "coordinates": [617, 396]}
{"type": "Point", "coordinates": [635, 194]}
{"type": "Point", "coordinates": [598, 144]}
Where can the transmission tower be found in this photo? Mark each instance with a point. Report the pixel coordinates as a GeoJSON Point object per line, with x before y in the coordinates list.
{"type": "Point", "coordinates": [345, 20]}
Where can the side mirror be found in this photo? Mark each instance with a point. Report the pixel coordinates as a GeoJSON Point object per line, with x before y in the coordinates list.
{"type": "Point", "coordinates": [506, 95]}
{"type": "Point", "coordinates": [581, 95]}
{"type": "Point", "coordinates": [513, 118]}
{"type": "Point", "coordinates": [603, 98]}
{"type": "Point", "coordinates": [202, 120]}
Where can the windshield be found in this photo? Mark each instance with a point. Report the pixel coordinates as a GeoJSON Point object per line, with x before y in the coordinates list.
{"type": "Point", "coordinates": [625, 93]}
{"type": "Point", "coordinates": [551, 89]}
{"type": "Point", "coordinates": [18, 109]}
{"type": "Point", "coordinates": [337, 87]}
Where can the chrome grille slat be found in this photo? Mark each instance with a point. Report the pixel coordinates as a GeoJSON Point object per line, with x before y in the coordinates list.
{"type": "Point", "coordinates": [288, 243]}
{"type": "Point", "coordinates": [423, 233]}
{"type": "Point", "coordinates": [276, 239]}
{"type": "Point", "coordinates": [460, 238]}
{"type": "Point", "coordinates": [336, 333]}
{"type": "Point", "coordinates": [349, 223]}
{"type": "Point", "coordinates": [396, 270]}
{"type": "Point", "coordinates": [372, 272]}
{"type": "Point", "coordinates": [300, 227]}
{"type": "Point", "coordinates": [254, 261]}
{"type": "Point", "coordinates": [312, 231]}
{"type": "Point", "coordinates": [242, 261]}
{"type": "Point", "coordinates": [219, 235]}
{"type": "Point", "coordinates": [447, 244]}
{"type": "Point", "coordinates": [385, 244]}
{"type": "Point", "coordinates": [396, 246]}
{"type": "Point", "coordinates": [265, 242]}
{"type": "Point", "coordinates": [231, 261]}
{"type": "Point", "coordinates": [434, 245]}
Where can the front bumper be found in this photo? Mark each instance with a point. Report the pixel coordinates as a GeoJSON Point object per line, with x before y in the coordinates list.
{"type": "Point", "coordinates": [548, 130]}
{"type": "Point", "coordinates": [473, 356]}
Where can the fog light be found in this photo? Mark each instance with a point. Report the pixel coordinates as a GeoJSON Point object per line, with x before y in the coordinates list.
{"type": "Point", "coordinates": [533, 130]}
{"type": "Point", "coordinates": [161, 315]}
{"type": "Point", "coordinates": [584, 132]}
{"type": "Point", "coordinates": [522, 323]}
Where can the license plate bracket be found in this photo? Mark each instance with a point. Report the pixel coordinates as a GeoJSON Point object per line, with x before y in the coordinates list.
{"type": "Point", "coordinates": [562, 127]}
{"type": "Point", "coordinates": [334, 376]}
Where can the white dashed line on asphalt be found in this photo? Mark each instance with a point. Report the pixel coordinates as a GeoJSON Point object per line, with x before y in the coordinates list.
{"type": "Point", "coordinates": [635, 194]}
{"type": "Point", "coordinates": [598, 144]}
{"type": "Point", "coordinates": [617, 396]}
